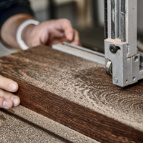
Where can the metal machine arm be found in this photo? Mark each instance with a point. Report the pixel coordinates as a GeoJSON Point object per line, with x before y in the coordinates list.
{"type": "Point", "coordinates": [123, 60]}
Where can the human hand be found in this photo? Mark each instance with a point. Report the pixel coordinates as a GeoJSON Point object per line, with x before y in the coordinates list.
{"type": "Point", "coordinates": [7, 99]}
{"type": "Point", "coordinates": [50, 32]}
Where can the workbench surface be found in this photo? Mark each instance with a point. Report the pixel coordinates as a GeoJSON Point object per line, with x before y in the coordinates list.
{"type": "Point", "coordinates": [76, 93]}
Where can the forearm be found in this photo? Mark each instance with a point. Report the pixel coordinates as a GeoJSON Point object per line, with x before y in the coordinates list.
{"type": "Point", "coordinates": [9, 29]}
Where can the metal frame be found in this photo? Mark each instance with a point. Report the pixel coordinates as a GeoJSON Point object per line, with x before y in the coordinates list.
{"type": "Point", "coordinates": [123, 60]}
{"type": "Point", "coordinates": [121, 54]}
{"type": "Point", "coordinates": [80, 52]}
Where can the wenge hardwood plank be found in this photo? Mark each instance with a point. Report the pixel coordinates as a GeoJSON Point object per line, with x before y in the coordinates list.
{"type": "Point", "coordinates": [77, 117]}
{"type": "Point", "coordinates": [76, 93]}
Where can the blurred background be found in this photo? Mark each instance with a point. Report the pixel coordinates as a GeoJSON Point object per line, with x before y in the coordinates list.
{"type": "Point", "coordinates": [87, 16]}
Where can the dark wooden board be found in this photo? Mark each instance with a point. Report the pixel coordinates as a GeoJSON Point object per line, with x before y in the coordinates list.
{"type": "Point", "coordinates": [76, 93]}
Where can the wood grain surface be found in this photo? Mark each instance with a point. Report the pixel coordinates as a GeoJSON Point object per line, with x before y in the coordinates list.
{"type": "Point", "coordinates": [77, 93]}
{"type": "Point", "coordinates": [47, 125]}
{"type": "Point", "coordinates": [17, 130]}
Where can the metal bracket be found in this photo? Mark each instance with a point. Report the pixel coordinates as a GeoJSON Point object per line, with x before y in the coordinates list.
{"type": "Point", "coordinates": [121, 42]}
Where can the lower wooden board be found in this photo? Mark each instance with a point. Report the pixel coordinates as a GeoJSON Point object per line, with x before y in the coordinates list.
{"type": "Point", "coordinates": [40, 122]}
{"type": "Point", "coordinates": [17, 130]}
{"type": "Point", "coordinates": [76, 93]}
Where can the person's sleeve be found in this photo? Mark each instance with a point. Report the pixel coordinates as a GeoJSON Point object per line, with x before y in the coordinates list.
{"type": "Point", "coordinates": [10, 8]}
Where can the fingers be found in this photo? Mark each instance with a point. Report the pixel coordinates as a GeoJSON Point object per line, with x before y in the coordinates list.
{"type": "Point", "coordinates": [76, 38]}
{"type": "Point", "coordinates": [5, 103]}
{"type": "Point", "coordinates": [15, 100]}
{"type": "Point", "coordinates": [8, 100]}
{"type": "Point", "coordinates": [65, 25]}
{"type": "Point", "coordinates": [6, 95]}
{"type": "Point", "coordinates": [70, 34]}
{"type": "Point", "coordinates": [47, 33]}
{"type": "Point", "coordinates": [8, 84]}
{"type": "Point", "coordinates": [57, 35]}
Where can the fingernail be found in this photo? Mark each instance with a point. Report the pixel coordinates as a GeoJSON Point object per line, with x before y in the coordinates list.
{"type": "Point", "coordinates": [7, 104]}
{"type": "Point", "coordinates": [70, 36]}
{"type": "Point", "coordinates": [13, 86]}
{"type": "Point", "coordinates": [15, 100]}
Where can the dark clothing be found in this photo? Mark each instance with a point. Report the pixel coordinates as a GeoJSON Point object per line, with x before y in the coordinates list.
{"type": "Point", "coordinates": [9, 8]}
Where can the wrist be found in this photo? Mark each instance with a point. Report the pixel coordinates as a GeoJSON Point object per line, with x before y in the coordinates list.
{"type": "Point", "coordinates": [24, 31]}
{"type": "Point", "coordinates": [26, 34]}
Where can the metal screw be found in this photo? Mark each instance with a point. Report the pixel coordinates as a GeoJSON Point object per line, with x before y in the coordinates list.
{"type": "Point", "coordinates": [136, 59]}
{"type": "Point", "coordinates": [134, 78]}
{"type": "Point", "coordinates": [126, 81]}
{"type": "Point", "coordinates": [115, 80]}
{"type": "Point", "coordinates": [114, 48]}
